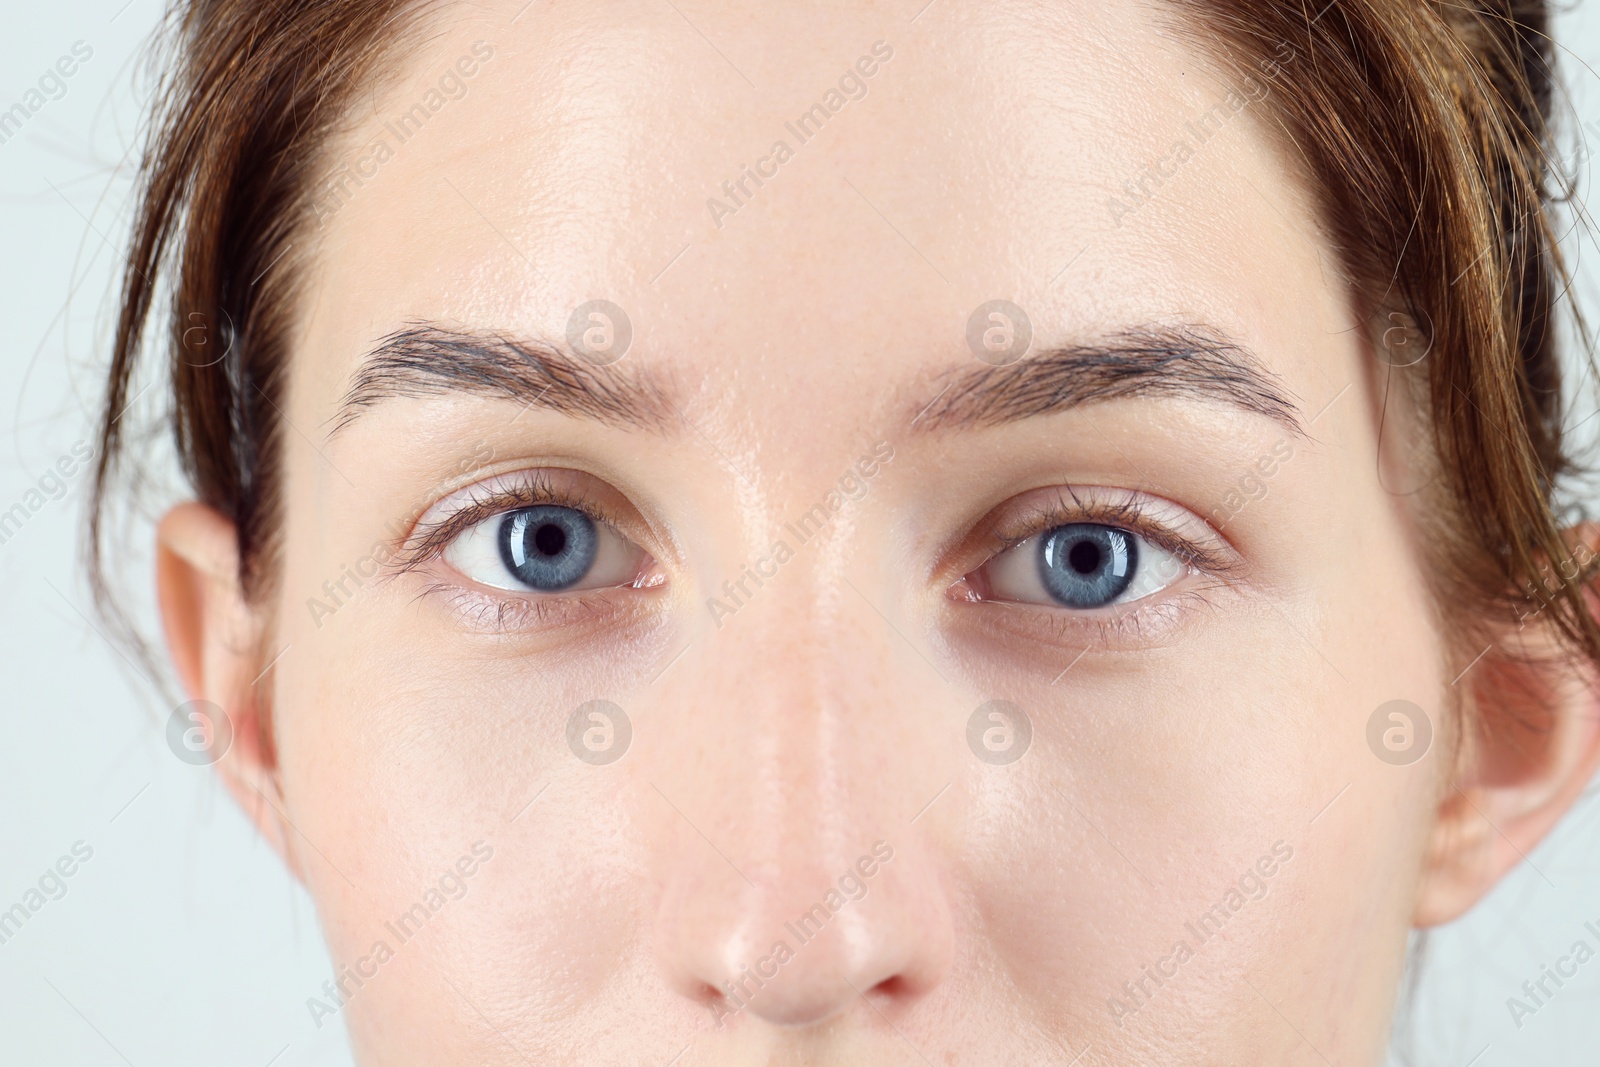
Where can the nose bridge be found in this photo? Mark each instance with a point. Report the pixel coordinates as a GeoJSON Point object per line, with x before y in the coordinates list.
{"type": "Point", "coordinates": [802, 675]}
{"type": "Point", "coordinates": [811, 891]}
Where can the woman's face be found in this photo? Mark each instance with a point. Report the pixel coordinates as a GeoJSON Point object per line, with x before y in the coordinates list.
{"type": "Point", "coordinates": [714, 630]}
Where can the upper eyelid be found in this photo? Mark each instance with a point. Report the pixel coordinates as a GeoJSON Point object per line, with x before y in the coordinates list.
{"type": "Point", "coordinates": [427, 538]}
{"type": "Point", "coordinates": [1128, 510]}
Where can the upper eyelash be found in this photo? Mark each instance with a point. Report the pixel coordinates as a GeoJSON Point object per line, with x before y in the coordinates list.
{"type": "Point", "coordinates": [428, 540]}
{"type": "Point", "coordinates": [1125, 511]}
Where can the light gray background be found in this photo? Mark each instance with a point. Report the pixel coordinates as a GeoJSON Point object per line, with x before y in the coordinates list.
{"type": "Point", "coordinates": [182, 941]}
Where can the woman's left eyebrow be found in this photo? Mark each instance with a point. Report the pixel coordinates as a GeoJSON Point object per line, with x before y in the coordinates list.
{"type": "Point", "coordinates": [426, 359]}
{"type": "Point", "coordinates": [1193, 362]}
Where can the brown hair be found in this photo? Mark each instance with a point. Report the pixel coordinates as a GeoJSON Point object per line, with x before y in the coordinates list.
{"type": "Point", "coordinates": [1423, 127]}
{"type": "Point", "coordinates": [1425, 130]}
{"type": "Point", "coordinates": [250, 94]}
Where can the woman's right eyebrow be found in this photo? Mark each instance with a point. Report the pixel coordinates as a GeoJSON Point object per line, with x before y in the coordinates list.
{"type": "Point", "coordinates": [426, 359]}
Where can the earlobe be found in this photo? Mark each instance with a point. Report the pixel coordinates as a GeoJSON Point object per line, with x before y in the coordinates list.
{"type": "Point", "coordinates": [215, 639]}
{"type": "Point", "coordinates": [1530, 746]}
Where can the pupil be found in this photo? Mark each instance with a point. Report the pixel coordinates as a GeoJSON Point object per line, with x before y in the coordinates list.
{"type": "Point", "coordinates": [550, 539]}
{"type": "Point", "coordinates": [1084, 557]}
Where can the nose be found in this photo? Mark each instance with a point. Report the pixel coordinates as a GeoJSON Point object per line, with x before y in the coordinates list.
{"type": "Point", "coordinates": [796, 946]}
{"type": "Point", "coordinates": [795, 885]}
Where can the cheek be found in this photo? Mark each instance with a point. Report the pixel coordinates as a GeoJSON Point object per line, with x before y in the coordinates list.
{"type": "Point", "coordinates": [1157, 783]}
{"type": "Point", "coordinates": [1154, 792]}
{"type": "Point", "coordinates": [395, 763]}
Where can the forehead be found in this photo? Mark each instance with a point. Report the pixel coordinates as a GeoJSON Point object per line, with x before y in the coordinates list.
{"type": "Point", "coordinates": [821, 193]}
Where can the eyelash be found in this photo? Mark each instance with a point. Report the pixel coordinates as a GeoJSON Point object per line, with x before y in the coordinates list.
{"type": "Point", "coordinates": [428, 540]}
{"type": "Point", "coordinates": [1143, 618]}
{"type": "Point", "coordinates": [501, 610]}
{"type": "Point", "coordinates": [1126, 511]}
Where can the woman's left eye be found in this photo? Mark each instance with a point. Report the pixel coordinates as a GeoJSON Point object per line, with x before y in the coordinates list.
{"type": "Point", "coordinates": [1081, 565]}
{"type": "Point", "coordinates": [545, 549]}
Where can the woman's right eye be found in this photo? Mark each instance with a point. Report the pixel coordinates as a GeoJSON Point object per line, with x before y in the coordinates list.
{"type": "Point", "coordinates": [547, 548]}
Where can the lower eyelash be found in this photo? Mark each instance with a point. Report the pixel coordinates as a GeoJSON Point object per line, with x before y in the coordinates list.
{"type": "Point", "coordinates": [1103, 629]}
{"type": "Point", "coordinates": [507, 613]}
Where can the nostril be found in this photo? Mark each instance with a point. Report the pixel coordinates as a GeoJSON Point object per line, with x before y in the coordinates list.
{"type": "Point", "coordinates": [723, 1006]}
{"type": "Point", "coordinates": [894, 987]}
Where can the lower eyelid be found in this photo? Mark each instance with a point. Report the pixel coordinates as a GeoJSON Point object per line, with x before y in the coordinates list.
{"type": "Point", "coordinates": [1132, 627]}
{"type": "Point", "coordinates": [500, 611]}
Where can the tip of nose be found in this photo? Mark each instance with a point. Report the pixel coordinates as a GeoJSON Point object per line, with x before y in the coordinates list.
{"type": "Point", "coordinates": [745, 956]}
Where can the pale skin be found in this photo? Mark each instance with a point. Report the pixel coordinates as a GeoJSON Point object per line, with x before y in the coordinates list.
{"type": "Point", "coordinates": [1182, 742]}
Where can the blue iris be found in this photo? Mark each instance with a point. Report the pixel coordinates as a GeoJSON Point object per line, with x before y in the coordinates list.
{"type": "Point", "coordinates": [548, 548]}
{"type": "Point", "coordinates": [1086, 565]}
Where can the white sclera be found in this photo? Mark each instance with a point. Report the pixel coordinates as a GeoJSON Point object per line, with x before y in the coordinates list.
{"type": "Point", "coordinates": [1014, 573]}
{"type": "Point", "coordinates": [475, 552]}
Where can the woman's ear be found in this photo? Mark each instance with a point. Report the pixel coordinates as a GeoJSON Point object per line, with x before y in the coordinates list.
{"type": "Point", "coordinates": [216, 642]}
{"type": "Point", "coordinates": [1530, 746]}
